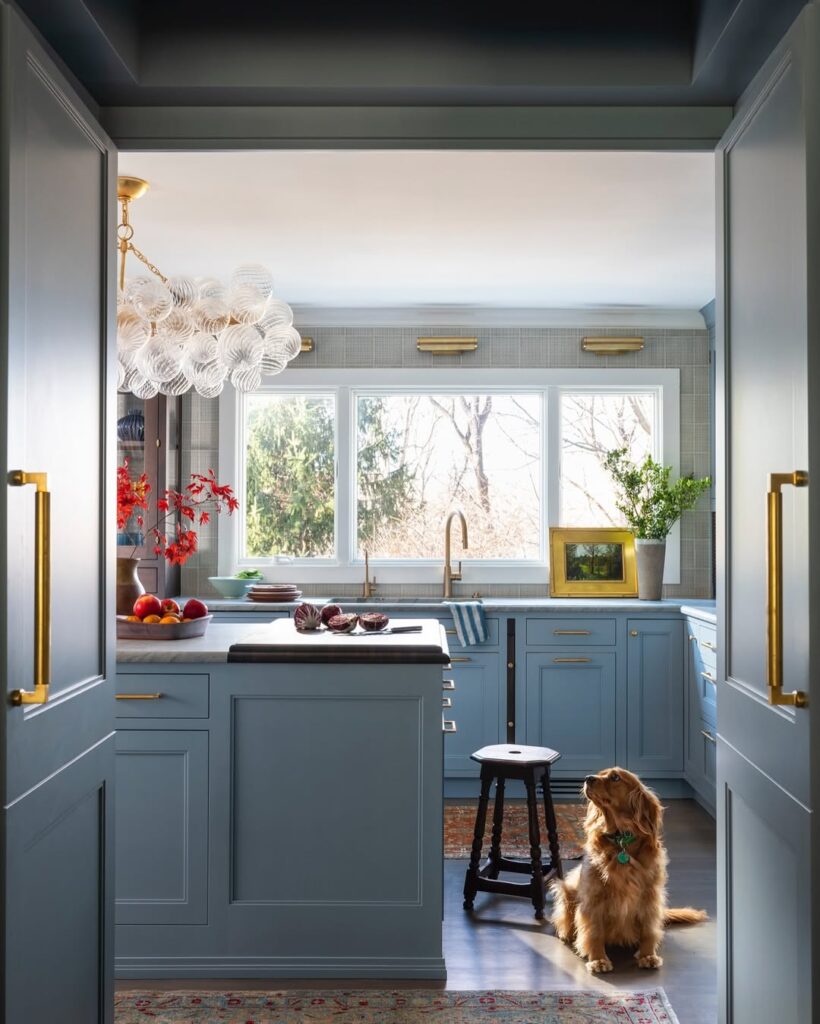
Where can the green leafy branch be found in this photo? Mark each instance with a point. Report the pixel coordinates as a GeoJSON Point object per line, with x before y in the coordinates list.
{"type": "Point", "coordinates": [651, 504]}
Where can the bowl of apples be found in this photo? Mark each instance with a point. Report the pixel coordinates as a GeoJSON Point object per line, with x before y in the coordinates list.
{"type": "Point", "coordinates": [157, 619]}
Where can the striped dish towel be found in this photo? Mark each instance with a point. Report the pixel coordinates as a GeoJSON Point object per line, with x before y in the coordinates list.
{"type": "Point", "coordinates": [468, 617]}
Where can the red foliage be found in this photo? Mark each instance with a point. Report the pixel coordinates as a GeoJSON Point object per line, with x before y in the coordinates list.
{"type": "Point", "coordinates": [131, 495]}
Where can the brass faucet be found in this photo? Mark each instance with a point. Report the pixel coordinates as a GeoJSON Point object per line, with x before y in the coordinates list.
{"type": "Point", "coordinates": [369, 585]}
{"type": "Point", "coordinates": [449, 575]}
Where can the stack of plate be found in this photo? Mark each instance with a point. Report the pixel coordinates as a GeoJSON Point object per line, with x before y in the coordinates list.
{"type": "Point", "coordinates": [269, 592]}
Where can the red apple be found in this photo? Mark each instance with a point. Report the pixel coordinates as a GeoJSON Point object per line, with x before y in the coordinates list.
{"type": "Point", "coordinates": [147, 604]}
{"type": "Point", "coordinates": [195, 609]}
{"type": "Point", "coordinates": [170, 607]}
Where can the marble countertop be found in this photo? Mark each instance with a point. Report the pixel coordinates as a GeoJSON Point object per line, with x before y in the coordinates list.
{"type": "Point", "coordinates": [212, 647]}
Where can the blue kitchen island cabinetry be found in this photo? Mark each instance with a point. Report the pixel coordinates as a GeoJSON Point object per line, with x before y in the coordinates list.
{"type": "Point", "coordinates": [280, 815]}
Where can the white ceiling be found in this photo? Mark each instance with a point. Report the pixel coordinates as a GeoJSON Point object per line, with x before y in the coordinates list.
{"type": "Point", "coordinates": [486, 229]}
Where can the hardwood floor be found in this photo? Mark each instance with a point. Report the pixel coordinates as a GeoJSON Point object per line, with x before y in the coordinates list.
{"type": "Point", "coordinates": [501, 945]}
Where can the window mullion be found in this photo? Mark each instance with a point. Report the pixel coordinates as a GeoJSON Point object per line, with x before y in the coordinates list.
{"type": "Point", "coordinates": [345, 492]}
{"type": "Point", "coordinates": [552, 449]}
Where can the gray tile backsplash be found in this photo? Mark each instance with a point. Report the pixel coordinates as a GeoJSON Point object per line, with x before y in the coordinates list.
{"type": "Point", "coordinates": [372, 347]}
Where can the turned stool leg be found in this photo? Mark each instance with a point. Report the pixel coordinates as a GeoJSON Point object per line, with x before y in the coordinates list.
{"type": "Point", "coordinates": [498, 825]}
{"type": "Point", "coordinates": [471, 880]}
{"type": "Point", "coordinates": [552, 828]}
{"type": "Point", "coordinates": [537, 883]}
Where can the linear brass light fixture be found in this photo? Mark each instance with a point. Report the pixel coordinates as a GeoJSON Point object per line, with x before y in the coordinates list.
{"type": "Point", "coordinates": [612, 346]}
{"type": "Point", "coordinates": [446, 346]}
{"type": "Point", "coordinates": [307, 344]}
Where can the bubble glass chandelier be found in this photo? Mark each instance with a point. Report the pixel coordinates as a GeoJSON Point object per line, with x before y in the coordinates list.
{"type": "Point", "coordinates": [178, 333]}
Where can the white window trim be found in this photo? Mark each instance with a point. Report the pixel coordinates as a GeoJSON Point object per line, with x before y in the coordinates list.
{"type": "Point", "coordinates": [345, 383]}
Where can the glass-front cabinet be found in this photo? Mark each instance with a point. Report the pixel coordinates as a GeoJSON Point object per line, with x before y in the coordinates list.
{"type": "Point", "coordinates": [148, 437]}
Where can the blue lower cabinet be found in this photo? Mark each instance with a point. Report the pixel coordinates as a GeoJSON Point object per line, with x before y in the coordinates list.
{"type": "Point", "coordinates": [161, 827]}
{"type": "Point", "coordinates": [570, 706]}
{"type": "Point", "coordinates": [478, 710]}
{"type": "Point", "coordinates": [655, 695]}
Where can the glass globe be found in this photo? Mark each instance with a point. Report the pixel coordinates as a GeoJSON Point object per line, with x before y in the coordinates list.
{"type": "Point", "coordinates": [246, 378]}
{"type": "Point", "coordinates": [202, 348]}
{"type": "Point", "coordinates": [211, 288]}
{"type": "Point", "coordinates": [274, 359]}
{"type": "Point", "coordinates": [247, 304]}
{"type": "Point", "coordinates": [143, 388]}
{"type": "Point", "coordinates": [291, 342]}
{"type": "Point", "coordinates": [121, 371]}
{"type": "Point", "coordinates": [255, 275]}
{"type": "Point", "coordinates": [277, 316]}
{"type": "Point", "coordinates": [211, 315]}
{"type": "Point", "coordinates": [133, 330]}
{"type": "Point", "coordinates": [207, 375]}
{"type": "Point", "coordinates": [208, 389]}
{"type": "Point", "coordinates": [240, 347]}
{"type": "Point", "coordinates": [159, 360]}
{"type": "Point", "coordinates": [153, 301]}
{"type": "Point", "coordinates": [184, 291]}
{"type": "Point", "coordinates": [130, 376]}
{"type": "Point", "coordinates": [178, 325]}
{"type": "Point", "coordinates": [134, 285]}
{"type": "Point", "coordinates": [176, 386]}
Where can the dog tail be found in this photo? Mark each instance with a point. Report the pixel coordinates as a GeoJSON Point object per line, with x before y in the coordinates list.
{"type": "Point", "coordinates": [685, 915]}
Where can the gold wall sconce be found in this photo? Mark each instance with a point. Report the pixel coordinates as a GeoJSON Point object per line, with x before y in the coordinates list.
{"type": "Point", "coordinates": [612, 346]}
{"type": "Point", "coordinates": [446, 346]}
{"type": "Point", "coordinates": [307, 344]}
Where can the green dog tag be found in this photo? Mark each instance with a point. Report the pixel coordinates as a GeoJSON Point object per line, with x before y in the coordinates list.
{"type": "Point", "coordinates": [623, 857]}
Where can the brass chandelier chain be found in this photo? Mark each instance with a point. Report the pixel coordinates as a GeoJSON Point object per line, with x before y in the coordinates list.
{"type": "Point", "coordinates": [125, 234]}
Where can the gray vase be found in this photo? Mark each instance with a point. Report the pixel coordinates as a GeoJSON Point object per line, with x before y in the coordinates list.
{"type": "Point", "coordinates": [650, 556]}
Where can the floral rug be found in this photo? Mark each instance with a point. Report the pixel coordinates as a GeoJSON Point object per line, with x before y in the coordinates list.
{"type": "Point", "coordinates": [408, 1006]}
{"type": "Point", "coordinates": [459, 822]}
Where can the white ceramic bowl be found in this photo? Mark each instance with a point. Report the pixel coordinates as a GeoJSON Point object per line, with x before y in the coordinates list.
{"type": "Point", "coordinates": [229, 586]}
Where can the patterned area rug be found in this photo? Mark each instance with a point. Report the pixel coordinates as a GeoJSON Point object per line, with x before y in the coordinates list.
{"type": "Point", "coordinates": [409, 1006]}
{"type": "Point", "coordinates": [459, 822]}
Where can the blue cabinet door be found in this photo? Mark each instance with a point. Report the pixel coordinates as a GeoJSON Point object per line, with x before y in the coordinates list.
{"type": "Point", "coordinates": [478, 711]}
{"type": "Point", "coordinates": [161, 828]}
{"type": "Point", "coordinates": [655, 701]}
{"type": "Point", "coordinates": [570, 706]}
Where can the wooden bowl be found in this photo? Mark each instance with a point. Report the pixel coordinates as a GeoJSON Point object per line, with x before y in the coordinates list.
{"type": "Point", "coordinates": [161, 631]}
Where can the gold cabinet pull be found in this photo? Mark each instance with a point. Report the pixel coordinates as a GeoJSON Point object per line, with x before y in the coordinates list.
{"type": "Point", "coordinates": [774, 587]}
{"type": "Point", "coordinates": [460, 659]}
{"type": "Point", "coordinates": [42, 588]}
{"type": "Point", "coordinates": [708, 645]}
{"type": "Point", "coordinates": [708, 736]}
{"type": "Point", "coordinates": [709, 676]}
{"type": "Point", "coordinates": [448, 725]}
{"type": "Point", "coordinates": [450, 632]}
{"type": "Point", "coordinates": [139, 696]}
{"type": "Point", "coordinates": [446, 702]}
{"type": "Point", "coordinates": [571, 661]}
{"type": "Point", "coordinates": [572, 632]}
{"type": "Point", "coordinates": [634, 632]}
{"type": "Point", "coordinates": [448, 684]}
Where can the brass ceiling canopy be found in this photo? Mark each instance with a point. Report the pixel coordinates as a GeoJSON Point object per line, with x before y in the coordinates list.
{"type": "Point", "coordinates": [129, 188]}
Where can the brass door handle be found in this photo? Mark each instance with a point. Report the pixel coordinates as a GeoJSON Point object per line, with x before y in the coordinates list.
{"type": "Point", "coordinates": [42, 588]}
{"type": "Point", "coordinates": [571, 661]}
{"type": "Point", "coordinates": [774, 588]}
{"type": "Point", "coordinates": [708, 736]}
{"type": "Point", "coordinates": [139, 696]}
{"type": "Point", "coordinates": [572, 632]}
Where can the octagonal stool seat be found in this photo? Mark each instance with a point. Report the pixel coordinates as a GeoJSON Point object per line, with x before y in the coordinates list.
{"type": "Point", "coordinates": [530, 765]}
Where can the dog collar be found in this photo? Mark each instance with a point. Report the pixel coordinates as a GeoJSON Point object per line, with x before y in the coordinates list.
{"type": "Point", "coordinates": [621, 840]}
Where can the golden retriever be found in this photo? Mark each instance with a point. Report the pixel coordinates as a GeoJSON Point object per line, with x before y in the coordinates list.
{"type": "Point", "coordinates": [617, 894]}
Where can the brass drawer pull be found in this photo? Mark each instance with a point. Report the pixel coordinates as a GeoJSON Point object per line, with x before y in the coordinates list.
{"type": "Point", "coordinates": [448, 684]}
{"type": "Point", "coordinates": [448, 725]}
{"type": "Point", "coordinates": [709, 676]}
{"type": "Point", "coordinates": [446, 702]}
{"type": "Point", "coordinates": [708, 645]}
{"type": "Point", "coordinates": [708, 736]}
{"type": "Point", "coordinates": [774, 588]}
{"type": "Point", "coordinates": [450, 632]}
{"type": "Point", "coordinates": [140, 696]}
{"type": "Point", "coordinates": [571, 661]}
{"type": "Point", "coordinates": [42, 587]}
{"type": "Point", "coordinates": [460, 659]}
{"type": "Point", "coordinates": [572, 632]}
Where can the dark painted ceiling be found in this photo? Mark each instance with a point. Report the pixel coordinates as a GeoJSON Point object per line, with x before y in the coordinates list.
{"type": "Point", "coordinates": [647, 52]}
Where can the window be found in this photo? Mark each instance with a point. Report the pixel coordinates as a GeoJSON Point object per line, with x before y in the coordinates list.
{"type": "Point", "coordinates": [289, 476]}
{"type": "Point", "coordinates": [593, 423]}
{"type": "Point", "coordinates": [419, 455]}
{"type": "Point", "coordinates": [332, 463]}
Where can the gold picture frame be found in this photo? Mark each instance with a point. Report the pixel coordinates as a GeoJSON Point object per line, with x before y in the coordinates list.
{"type": "Point", "coordinates": [592, 562]}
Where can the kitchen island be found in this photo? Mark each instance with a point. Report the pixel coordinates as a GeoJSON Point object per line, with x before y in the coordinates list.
{"type": "Point", "coordinates": [279, 806]}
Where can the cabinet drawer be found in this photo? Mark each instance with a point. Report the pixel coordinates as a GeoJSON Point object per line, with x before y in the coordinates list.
{"type": "Point", "coordinates": [452, 636]}
{"type": "Point", "coordinates": [703, 637]}
{"type": "Point", "coordinates": [706, 688]}
{"type": "Point", "coordinates": [571, 632]}
{"type": "Point", "coordinates": [183, 695]}
{"type": "Point", "coordinates": [708, 754]}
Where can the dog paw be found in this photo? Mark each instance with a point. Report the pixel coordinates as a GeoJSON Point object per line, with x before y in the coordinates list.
{"type": "Point", "coordinates": [599, 966]}
{"type": "Point", "coordinates": [650, 961]}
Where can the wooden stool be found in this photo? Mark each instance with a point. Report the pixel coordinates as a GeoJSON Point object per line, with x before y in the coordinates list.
{"type": "Point", "coordinates": [532, 766]}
